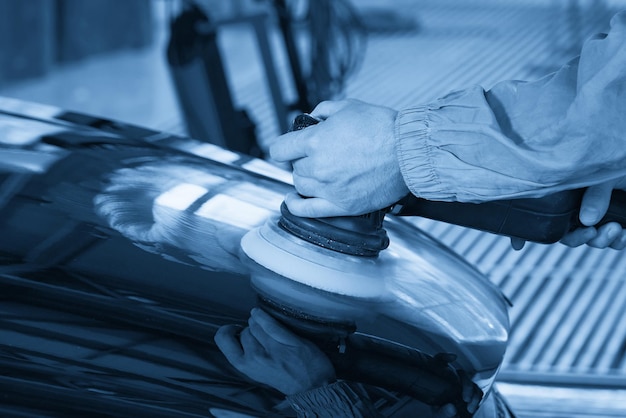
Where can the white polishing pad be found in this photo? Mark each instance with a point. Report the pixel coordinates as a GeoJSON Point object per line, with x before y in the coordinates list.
{"type": "Point", "coordinates": [301, 261]}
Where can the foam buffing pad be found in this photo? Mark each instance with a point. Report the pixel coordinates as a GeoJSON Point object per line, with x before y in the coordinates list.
{"type": "Point", "coordinates": [340, 255]}
{"type": "Point", "coordinates": [311, 288]}
{"type": "Point", "coordinates": [292, 257]}
{"type": "Point", "coordinates": [304, 266]}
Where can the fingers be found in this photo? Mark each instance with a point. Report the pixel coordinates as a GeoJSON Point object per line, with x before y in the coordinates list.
{"type": "Point", "coordinates": [238, 344]}
{"type": "Point", "coordinates": [267, 330]}
{"type": "Point", "coordinates": [517, 243]}
{"type": "Point", "coordinates": [306, 186]}
{"type": "Point", "coordinates": [595, 203]}
{"type": "Point", "coordinates": [610, 235]}
{"type": "Point", "coordinates": [304, 167]}
{"type": "Point", "coordinates": [471, 394]}
{"type": "Point", "coordinates": [293, 145]}
{"type": "Point", "coordinates": [579, 236]}
{"type": "Point", "coordinates": [306, 180]}
{"type": "Point", "coordinates": [472, 398]}
{"type": "Point", "coordinates": [290, 146]}
{"type": "Point", "coordinates": [227, 341]}
{"type": "Point", "coordinates": [620, 242]}
{"type": "Point", "coordinates": [314, 207]}
{"type": "Point", "coordinates": [251, 346]}
{"type": "Point", "coordinates": [327, 108]}
{"type": "Point", "coordinates": [607, 235]}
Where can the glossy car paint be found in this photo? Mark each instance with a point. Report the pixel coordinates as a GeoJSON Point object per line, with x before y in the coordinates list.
{"type": "Point", "coordinates": [158, 219]}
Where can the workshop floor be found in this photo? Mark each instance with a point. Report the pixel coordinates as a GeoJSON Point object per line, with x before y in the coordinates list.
{"type": "Point", "coordinates": [567, 356]}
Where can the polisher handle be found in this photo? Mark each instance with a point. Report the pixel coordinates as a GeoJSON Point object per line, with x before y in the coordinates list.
{"type": "Point", "coordinates": [545, 220]}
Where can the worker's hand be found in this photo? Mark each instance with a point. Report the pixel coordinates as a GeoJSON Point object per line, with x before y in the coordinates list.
{"type": "Point", "coordinates": [594, 205]}
{"type": "Point", "coordinates": [593, 208]}
{"type": "Point", "coordinates": [268, 353]}
{"type": "Point", "coordinates": [471, 395]}
{"type": "Point", "coordinates": [346, 164]}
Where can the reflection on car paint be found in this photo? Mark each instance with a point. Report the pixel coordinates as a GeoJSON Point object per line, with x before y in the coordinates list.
{"type": "Point", "coordinates": [266, 169]}
{"type": "Point", "coordinates": [122, 210]}
{"type": "Point", "coordinates": [210, 151]}
{"type": "Point", "coordinates": [14, 132]}
{"type": "Point", "coordinates": [39, 110]}
{"type": "Point", "coordinates": [181, 196]}
{"type": "Point", "coordinates": [186, 207]}
{"type": "Point", "coordinates": [233, 211]}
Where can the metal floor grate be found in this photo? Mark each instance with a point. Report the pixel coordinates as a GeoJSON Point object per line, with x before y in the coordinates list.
{"type": "Point", "coordinates": [569, 306]}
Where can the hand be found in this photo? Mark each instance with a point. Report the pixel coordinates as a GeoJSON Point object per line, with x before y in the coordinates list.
{"type": "Point", "coordinates": [268, 353]}
{"type": "Point", "coordinates": [594, 205]}
{"type": "Point", "coordinates": [593, 208]}
{"type": "Point", "coordinates": [346, 164]}
{"type": "Point", "coordinates": [471, 395]}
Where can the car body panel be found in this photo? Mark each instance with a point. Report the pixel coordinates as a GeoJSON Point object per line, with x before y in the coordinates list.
{"type": "Point", "coordinates": [152, 222]}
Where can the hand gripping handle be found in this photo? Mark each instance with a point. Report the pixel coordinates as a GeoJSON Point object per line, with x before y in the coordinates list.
{"type": "Point", "coordinates": [361, 235]}
{"type": "Point", "coordinates": [545, 220]}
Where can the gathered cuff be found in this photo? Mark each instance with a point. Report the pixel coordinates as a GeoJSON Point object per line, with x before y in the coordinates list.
{"type": "Point", "coordinates": [414, 154]}
{"type": "Point", "coordinates": [454, 149]}
{"type": "Point", "coordinates": [334, 400]}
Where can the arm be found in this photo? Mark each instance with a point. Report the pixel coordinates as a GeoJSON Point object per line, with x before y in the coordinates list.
{"type": "Point", "coordinates": [519, 139]}
{"type": "Point", "coordinates": [523, 139]}
{"type": "Point", "coordinates": [563, 131]}
{"type": "Point", "coordinates": [268, 353]}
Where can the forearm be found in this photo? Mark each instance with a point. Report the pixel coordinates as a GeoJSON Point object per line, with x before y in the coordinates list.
{"type": "Point", "coordinates": [523, 139]}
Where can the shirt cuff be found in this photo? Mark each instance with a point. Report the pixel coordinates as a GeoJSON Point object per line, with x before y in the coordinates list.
{"type": "Point", "coordinates": [454, 149]}
{"type": "Point", "coordinates": [334, 400]}
{"type": "Point", "coordinates": [414, 154]}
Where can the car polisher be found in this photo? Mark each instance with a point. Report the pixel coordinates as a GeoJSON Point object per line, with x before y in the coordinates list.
{"type": "Point", "coordinates": [344, 255]}
{"type": "Point", "coordinates": [336, 256]}
{"type": "Point", "coordinates": [318, 276]}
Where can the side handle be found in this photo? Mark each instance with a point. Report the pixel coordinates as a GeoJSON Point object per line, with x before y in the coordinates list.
{"type": "Point", "coordinates": [545, 220]}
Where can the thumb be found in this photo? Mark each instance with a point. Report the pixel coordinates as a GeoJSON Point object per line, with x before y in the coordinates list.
{"type": "Point", "coordinates": [517, 243]}
{"type": "Point", "coordinates": [227, 341]}
{"type": "Point", "coordinates": [329, 107]}
{"type": "Point", "coordinates": [313, 207]}
{"type": "Point", "coordinates": [595, 203]}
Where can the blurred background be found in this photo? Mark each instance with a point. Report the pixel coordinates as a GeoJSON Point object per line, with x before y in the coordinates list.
{"type": "Point", "coordinates": [234, 72]}
{"type": "Point", "coordinates": [275, 57]}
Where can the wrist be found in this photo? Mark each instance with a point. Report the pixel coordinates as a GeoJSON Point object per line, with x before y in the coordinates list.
{"type": "Point", "coordinates": [301, 387]}
{"type": "Point", "coordinates": [414, 154]}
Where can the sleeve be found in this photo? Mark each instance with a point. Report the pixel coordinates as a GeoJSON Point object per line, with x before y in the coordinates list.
{"type": "Point", "coordinates": [339, 399]}
{"type": "Point", "coordinates": [523, 139]}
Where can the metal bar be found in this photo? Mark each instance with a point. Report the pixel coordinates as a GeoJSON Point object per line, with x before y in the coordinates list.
{"type": "Point", "coordinates": [258, 22]}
